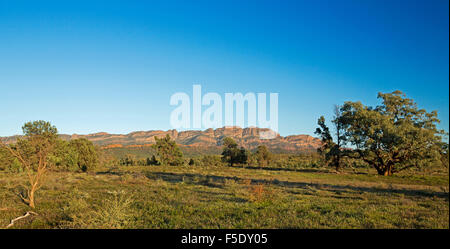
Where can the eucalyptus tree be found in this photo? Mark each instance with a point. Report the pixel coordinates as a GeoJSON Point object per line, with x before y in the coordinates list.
{"type": "Point", "coordinates": [393, 136]}
{"type": "Point", "coordinates": [33, 151]}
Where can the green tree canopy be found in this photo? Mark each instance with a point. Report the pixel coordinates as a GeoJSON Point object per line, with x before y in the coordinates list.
{"type": "Point", "coordinates": [232, 154]}
{"type": "Point", "coordinates": [263, 155]}
{"type": "Point", "coordinates": [331, 150]}
{"type": "Point", "coordinates": [168, 151]}
{"type": "Point", "coordinates": [393, 136]}
{"type": "Point", "coordinates": [39, 128]}
{"type": "Point", "coordinates": [64, 157]}
{"type": "Point", "coordinates": [87, 157]}
{"type": "Point", "coordinates": [33, 151]}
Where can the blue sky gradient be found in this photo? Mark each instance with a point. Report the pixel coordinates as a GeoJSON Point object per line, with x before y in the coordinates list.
{"type": "Point", "coordinates": [112, 65]}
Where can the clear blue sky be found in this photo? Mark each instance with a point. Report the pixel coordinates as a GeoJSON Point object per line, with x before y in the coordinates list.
{"type": "Point", "coordinates": [90, 66]}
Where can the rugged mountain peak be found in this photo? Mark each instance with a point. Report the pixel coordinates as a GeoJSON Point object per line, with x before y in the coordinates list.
{"type": "Point", "coordinates": [249, 138]}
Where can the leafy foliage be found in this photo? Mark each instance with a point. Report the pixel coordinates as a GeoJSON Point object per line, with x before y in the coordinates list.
{"type": "Point", "coordinates": [330, 150]}
{"type": "Point", "coordinates": [33, 152]}
{"type": "Point", "coordinates": [393, 136]}
{"type": "Point", "coordinates": [232, 154]}
{"type": "Point", "coordinates": [65, 157]}
{"type": "Point", "coordinates": [86, 153]}
{"type": "Point", "coordinates": [168, 151]}
{"type": "Point", "coordinates": [263, 155]}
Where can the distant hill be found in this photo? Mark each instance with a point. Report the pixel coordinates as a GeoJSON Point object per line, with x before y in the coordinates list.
{"type": "Point", "coordinates": [207, 140]}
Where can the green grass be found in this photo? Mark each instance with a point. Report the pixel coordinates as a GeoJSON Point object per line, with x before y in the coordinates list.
{"type": "Point", "coordinates": [225, 197]}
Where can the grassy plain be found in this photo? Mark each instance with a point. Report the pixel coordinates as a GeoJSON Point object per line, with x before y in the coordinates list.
{"type": "Point", "coordinates": [228, 197]}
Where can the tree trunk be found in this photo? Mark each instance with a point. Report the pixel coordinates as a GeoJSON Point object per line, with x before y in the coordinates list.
{"type": "Point", "coordinates": [384, 170]}
{"type": "Point", "coordinates": [387, 173]}
{"type": "Point", "coordinates": [34, 187]}
{"type": "Point", "coordinates": [338, 163]}
{"type": "Point", "coordinates": [31, 199]}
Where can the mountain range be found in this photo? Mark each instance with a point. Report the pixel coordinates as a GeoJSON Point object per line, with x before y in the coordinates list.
{"type": "Point", "coordinates": [249, 138]}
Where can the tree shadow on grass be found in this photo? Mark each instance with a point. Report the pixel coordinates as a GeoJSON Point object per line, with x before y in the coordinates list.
{"type": "Point", "coordinates": [198, 179]}
{"type": "Point", "coordinates": [219, 181]}
{"type": "Point", "coordinates": [120, 173]}
{"type": "Point", "coordinates": [302, 170]}
{"type": "Point", "coordinates": [111, 172]}
{"type": "Point", "coordinates": [306, 170]}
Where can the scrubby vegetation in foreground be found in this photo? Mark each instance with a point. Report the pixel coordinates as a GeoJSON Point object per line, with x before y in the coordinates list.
{"type": "Point", "coordinates": [228, 197]}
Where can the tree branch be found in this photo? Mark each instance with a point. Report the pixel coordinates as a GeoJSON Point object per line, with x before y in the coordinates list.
{"type": "Point", "coordinates": [20, 217]}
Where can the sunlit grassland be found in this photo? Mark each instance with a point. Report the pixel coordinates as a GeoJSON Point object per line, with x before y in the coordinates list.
{"type": "Point", "coordinates": [225, 197]}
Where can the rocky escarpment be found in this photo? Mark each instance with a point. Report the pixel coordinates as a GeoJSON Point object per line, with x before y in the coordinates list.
{"type": "Point", "coordinates": [249, 138]}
